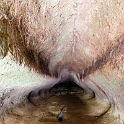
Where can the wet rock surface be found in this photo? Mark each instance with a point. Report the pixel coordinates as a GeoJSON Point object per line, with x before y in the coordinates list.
{"type": "Point", "coordinates": [77, 106]}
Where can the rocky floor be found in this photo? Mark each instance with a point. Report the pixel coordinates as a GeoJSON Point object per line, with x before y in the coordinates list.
{"type": "Point", "coordinates": [78, 109]}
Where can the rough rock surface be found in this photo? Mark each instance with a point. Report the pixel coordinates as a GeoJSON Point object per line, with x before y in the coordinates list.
{"type": "Point", "coordinates": [44, 43]}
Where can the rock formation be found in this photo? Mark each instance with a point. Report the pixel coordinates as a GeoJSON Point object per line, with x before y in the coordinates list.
{"type": "Point", "coordinates": [47, 42]}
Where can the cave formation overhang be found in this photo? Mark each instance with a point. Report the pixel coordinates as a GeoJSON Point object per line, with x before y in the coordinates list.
{"type": "Point", "coordinates": [94, 60]}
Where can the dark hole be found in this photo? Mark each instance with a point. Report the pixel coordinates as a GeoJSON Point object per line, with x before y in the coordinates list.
{"type": "Point", "coordinates": [67, 86]}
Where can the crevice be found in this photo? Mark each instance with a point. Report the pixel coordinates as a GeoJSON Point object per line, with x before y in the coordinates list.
{"type": "Point", "coordinates": [67, 86]}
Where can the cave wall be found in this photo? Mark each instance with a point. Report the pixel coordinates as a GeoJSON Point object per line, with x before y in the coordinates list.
{"type": "Point", "coordinates": [85, 37]}
{"type": "Point", "coordinates": [16, 82]}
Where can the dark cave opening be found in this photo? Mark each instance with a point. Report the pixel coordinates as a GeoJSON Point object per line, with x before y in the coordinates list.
{"type": "Point", "coordinates": [59, 89]}
{"type": "Point", "coordinates": [66, 87]}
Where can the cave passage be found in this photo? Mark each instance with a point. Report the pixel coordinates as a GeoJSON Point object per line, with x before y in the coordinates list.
{"type": "Point", "coordinates": [67, 87]}
{"type": "Point", "coordinates": [77, 108]}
